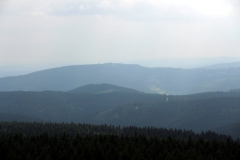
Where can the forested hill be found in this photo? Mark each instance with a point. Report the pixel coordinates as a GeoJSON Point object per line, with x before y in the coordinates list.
{"type": "Point", "coordinates": [101, 88]}
{"type": "Point", "coordinates": [206, 111]}
{"type": "Point", "coordinates": [150, 80]}
{"type": "Point", "coordinates": [17, 117]}
{"type": "Point", "coordinates": [67, 107]}
{"type": "Point", "coordinates": [231, 129]}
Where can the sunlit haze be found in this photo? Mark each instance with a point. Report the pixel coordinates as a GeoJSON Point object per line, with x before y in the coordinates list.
{"type": "Point", "coordinates": [69, 32]}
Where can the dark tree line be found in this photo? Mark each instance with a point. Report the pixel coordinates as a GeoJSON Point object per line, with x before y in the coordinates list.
{"type": "Point", "coordinates": [27, 129]}
{"type": "Point", "coordinates": [28, 141]}
{"type": "Point", "coordinates": [110, 146]}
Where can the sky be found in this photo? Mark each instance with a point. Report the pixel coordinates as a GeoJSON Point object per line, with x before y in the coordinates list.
{"type": "Point", "coordinates": [101, 31]}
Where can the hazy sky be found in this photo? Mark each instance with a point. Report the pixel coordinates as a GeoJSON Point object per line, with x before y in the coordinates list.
{"type": "Point", "coordinates": [99, 31]}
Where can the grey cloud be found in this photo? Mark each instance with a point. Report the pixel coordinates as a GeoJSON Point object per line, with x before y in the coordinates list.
{"type": "Point", "coordinates": [138, 10]}
{"type": "Point", "coordinates": [78, 31]}
{"type": "Point", "coordinates": [142, 11]}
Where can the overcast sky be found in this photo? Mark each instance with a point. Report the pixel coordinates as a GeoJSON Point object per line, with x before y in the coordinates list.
{"type": "Point", "coordinates": [99, 31]}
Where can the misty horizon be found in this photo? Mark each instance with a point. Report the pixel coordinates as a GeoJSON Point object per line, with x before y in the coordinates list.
{"type": "Point", "coordinates": [90, 32]}
{"type": "Point", "coordinates": [184, 63]}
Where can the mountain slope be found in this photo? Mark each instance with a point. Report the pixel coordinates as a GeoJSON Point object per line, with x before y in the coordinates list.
{"type": "Point", "coordinates": [235, 90]}
{"type": "Point", "coordinates": [197, 115]}
{"type": "Point", "coordinates": [195, 112]}
{"type": "Point", "coordinates": [16, 117]}
{"type": "Point", "coordinates": [68, 107]}
{"type": "Point", "coordinates": [230, 129]}
{"type": "Point", "coordinates": [151, 80]}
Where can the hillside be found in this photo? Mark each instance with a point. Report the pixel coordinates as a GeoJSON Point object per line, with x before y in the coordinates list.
{"type": "Point", "coordinates": [150, 80]}
{"type": "Point", "coordinates": [235, 90]}
{"type": "Point", "coordinates": [205, 111]}
{"type": "Point", "coordinates": [196, 115]}
{"type": "Point", "coordinates": [230, 129]}
{"type": "Point", "coordinates": [102, 88]}
{"type": "Point", "coordinates": [16, 117]}
{"type": "Point", "coordinates": [67, 107]}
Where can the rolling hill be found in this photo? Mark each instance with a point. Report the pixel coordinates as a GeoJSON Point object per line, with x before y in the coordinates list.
{"type": "Point", "coordinates": [150, 80]}
{"type": "Point", "coordinates": [101, 88]}
{"type": "Point", "coordinates": [205, 111]}
{"type": "Point", "coordinates": [67, 107]}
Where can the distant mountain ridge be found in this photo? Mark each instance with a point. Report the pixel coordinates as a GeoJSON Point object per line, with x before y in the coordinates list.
{"type": "Point", "coordinates": [223, 65]}
{"type": "Point", "coordinates": [102, 88]}
{"type": "Point", "coordinates": [143, 79]}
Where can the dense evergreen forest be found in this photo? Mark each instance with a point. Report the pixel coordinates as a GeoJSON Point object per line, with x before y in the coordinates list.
{"type": "Point", "coordinates": [73, 129]}
{"type": "Point", "coordinates": [20, 140]}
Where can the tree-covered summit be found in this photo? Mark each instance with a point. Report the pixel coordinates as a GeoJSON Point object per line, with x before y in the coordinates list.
{"type": "Point", "coordinates": [101, 88]}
